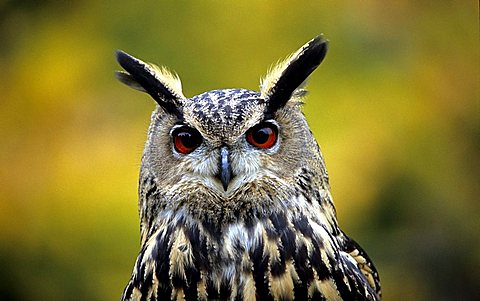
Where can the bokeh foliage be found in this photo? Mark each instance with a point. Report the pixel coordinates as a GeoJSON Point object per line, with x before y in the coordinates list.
{"type": "Point", "coordinates": [395, 107]}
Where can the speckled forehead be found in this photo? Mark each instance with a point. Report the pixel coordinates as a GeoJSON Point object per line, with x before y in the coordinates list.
{"type": "Point", "coordinates": [229, 110]}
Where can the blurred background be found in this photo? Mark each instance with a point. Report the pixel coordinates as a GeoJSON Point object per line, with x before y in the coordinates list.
{"type": "Point", "coordinates": [395, 108]}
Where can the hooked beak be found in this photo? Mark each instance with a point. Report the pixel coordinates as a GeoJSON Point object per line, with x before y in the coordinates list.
{"type": "Point", "coordinates": [225, 170]}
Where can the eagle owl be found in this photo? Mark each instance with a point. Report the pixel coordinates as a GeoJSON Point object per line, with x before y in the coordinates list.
{"type": "Point", "coordinates": [234, 199]}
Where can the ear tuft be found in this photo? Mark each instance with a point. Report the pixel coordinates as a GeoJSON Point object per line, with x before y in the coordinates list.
{"type": "Point", "coordinates": [164, 86]}
{"type": "Point", "coordinates": [287, 78]}
{"type": "Point", "coordinates": [169, 79]}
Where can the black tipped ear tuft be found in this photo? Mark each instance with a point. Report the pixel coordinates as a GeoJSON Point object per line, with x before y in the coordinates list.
{"type": "Point", "coordinates": [162, 85]}
{"type": "Point", "coordinates": [282, 81]}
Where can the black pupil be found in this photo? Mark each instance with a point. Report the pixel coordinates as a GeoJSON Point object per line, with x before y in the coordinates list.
{"type": "Point", "coordinates": [189, 140]}
{"type": "Point", "coordinates": [261, 135]}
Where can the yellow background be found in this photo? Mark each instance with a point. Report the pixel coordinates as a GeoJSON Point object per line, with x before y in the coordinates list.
{"type": "Point", "coordinates": [395, 108]}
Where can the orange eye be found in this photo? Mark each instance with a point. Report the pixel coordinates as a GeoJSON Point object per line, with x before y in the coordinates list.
{"type": "Point", "coordinates": [263, 135]}
{"type": "Point", "coordinates": [186, 139]}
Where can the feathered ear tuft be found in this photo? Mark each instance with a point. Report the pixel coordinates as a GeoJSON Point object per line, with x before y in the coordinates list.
{"type": "Point", "coordinates": [287, 78]}
{"type": "Point", "coordinates": [164, 86]}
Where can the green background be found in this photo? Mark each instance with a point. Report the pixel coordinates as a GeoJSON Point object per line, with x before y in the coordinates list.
{"type": "Point", "coordinates": [395, 108]}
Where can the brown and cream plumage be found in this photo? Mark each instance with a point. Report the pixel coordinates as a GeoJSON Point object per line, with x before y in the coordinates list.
{"type": "Point", "coordinates": [234, 197]}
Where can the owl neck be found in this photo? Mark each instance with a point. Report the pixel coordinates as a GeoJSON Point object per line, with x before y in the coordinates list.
{"type": "Point", "coordinates": [309, 195]}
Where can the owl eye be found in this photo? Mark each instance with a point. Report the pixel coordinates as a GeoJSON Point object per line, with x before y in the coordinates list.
{"type": "Point", "coordinates": [186, 139]}
{"type": "Point", "coordinates": [263, 135]}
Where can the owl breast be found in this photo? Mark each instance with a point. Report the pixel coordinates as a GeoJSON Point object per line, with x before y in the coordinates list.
{"type": "Point", "coordinates": [284, 255]}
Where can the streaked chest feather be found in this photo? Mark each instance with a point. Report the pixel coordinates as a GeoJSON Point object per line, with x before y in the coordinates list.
{"type": "Point", "coordinates": [280, 257]}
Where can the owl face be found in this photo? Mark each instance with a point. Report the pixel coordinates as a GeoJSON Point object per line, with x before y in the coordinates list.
{"type": "Point", "coordinates": [222, 123]}
{"type": "Point", "coordinates": [223, 144]}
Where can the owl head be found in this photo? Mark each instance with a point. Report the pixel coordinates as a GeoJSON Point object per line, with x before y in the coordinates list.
{"type": "Point", "coordinates": [230, 150]}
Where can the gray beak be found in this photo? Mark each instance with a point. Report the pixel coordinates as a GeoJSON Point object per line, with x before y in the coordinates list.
{"type": "Point", "coordinates": [225, 171]}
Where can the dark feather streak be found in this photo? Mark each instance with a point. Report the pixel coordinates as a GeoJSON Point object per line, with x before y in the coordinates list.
{"type": "Point", "coordinates": [296, 73]}
{"type": "Point", "coordinates": [145, 78]}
